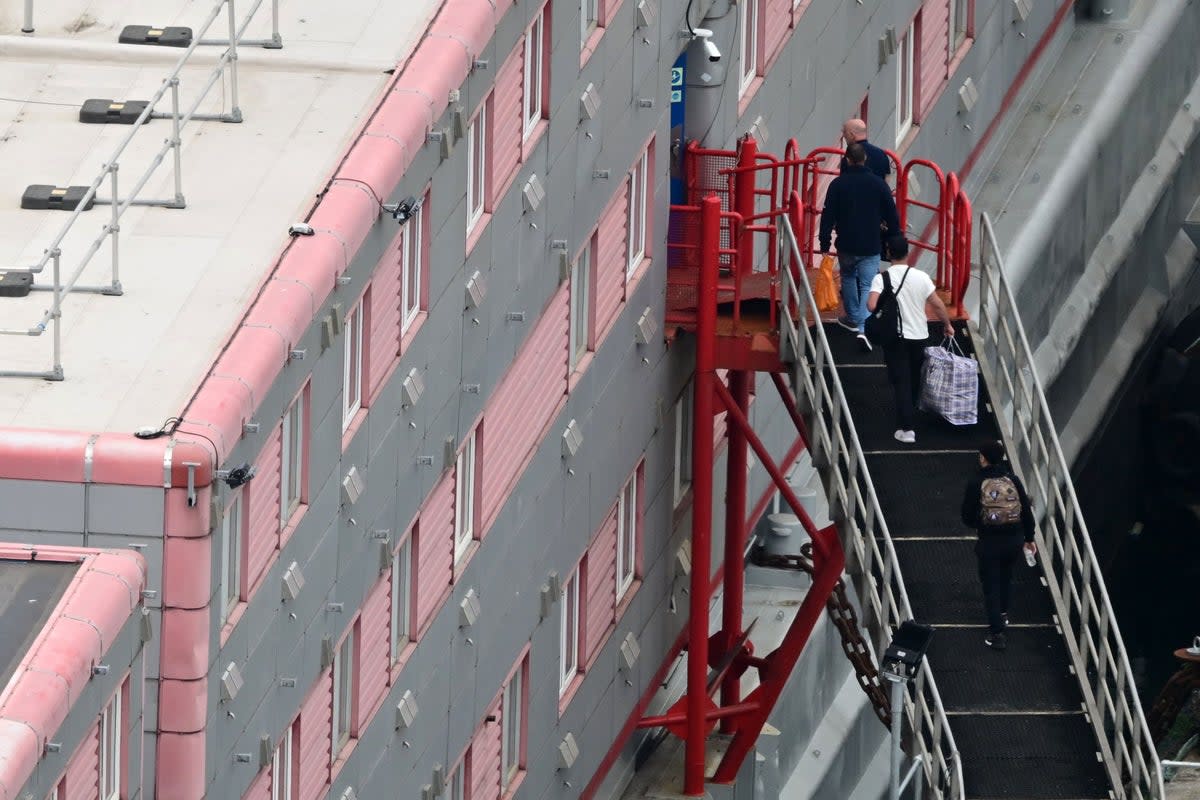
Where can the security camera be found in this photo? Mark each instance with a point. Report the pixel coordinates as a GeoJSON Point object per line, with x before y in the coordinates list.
{"type": "Point", "coordinates": [403, 211]}
{"type": "Point", "coordinates": [300, 229]}
{"type": "Point", "coordinates": [710, 49]}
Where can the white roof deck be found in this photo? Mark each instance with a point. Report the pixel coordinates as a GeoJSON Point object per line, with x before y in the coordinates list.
{"type": "Point", "coordinates": [188, 275]}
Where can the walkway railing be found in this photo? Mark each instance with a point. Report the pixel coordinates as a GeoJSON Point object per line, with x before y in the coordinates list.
{"type": "Point", "coordinates": [834, 444]}
{"type": "Point", "coordinates": [1075, 580]}
{"type": "Point", "coordinates": [53, 254]}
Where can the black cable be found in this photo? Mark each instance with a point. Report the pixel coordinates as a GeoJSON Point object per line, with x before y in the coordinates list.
{"type": "Point", "coordinates": [687, 17]}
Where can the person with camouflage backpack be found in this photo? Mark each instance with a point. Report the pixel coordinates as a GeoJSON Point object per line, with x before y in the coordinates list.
{"type": "Point", "coordinates": [996, 506]}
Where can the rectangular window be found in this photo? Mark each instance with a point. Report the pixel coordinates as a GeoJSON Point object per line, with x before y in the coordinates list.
{"type": "Point", "coordinates": [110, 749]}
{"type": "Point", "coordinates": [637, 213]}
{"type": "Point", "coordinates": [683, 442]}
{"type": "Point", "coordinates": [283, 786]}
{"type": "Point", "coordinates": [291, 478]}
{"type": "Point", "coordinates": [748, 22]}
{"type": "Point", "coordinates": [904, 84]}
{"type": "Point", "coordinates": [569, 639]}
{"type": "Point", "coordinates": [512, 716]}
{"type": "Point", "coordinates": [344, 670]}
{"type": "Point", "coordinates": [581, 316]}
{"type": "Point", "coordinates": [231, 556]}
{"type": "Point", "coordinates": [402, 594]}
{"type": "Point", "coordinates": [960, 23]}
{"type": "Point", "coordinates": [352, 366]}
{"type": "Point", "coordinates": [464, 498]}
{"type": "Point", "coordinates": [457, 787]}
{"type": "Point", "coordinates": [589, 19]}
{"type": "Point", "coordinates": [535, 60]}
{"type": "Point", "coordinates": [412, 267]}
{"type": "Point", "coordinates": [477, 172]}
{"type": "Point", "coordinates": [627, 536]}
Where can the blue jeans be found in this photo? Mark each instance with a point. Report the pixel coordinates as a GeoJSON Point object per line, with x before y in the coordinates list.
{"type": "Point", "coordinates": [857, 274]}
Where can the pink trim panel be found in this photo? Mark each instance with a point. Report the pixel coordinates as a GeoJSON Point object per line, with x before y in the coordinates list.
{"type": "Point", "coordinates": [82, 779]}
{"type": "Point", "coordinates": [316, 731]}
{"type": "Point", "coordinates": [602, 586]}
{"type": "Point", "coordinates": [435, 549]}
{"type": "Point", "coordinates": [933, 53]}
{"type": "Point", "coordinates": [262, 510]}
{"type": "Point", "coordinates": [508, 122]}
{"type": "Point", "coordinates": [524, 404]}
{"type": "Point", "coordinates": [261, 788]}
{"type": "Point", "coordinates": [611, 255]}
{"type": "Point", "coordinates": [777, 19]}
{"type": "Point", "coordinates": [180, 773]}
{"type": "Point", "coordinates": [55, 671]}
{"type": "Point", "coordinates": [485, 757]}
{"type": "Point", "coordinates": [374, 650]}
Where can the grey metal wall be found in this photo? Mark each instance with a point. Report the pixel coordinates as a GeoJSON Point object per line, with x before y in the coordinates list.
{"type": "Point", "coordinates": [819, 79]}
{"type": "Point", "coordinates": [125, 656]}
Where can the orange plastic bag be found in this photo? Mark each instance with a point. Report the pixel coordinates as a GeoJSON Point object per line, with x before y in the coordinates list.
{"type": "Point", "coordinates": [826, 292]}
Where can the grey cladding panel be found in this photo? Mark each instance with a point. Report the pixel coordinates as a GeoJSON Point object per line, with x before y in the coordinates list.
{"type": "Point", "coordinates": [41, 506]}
{"type": "Point", "coordinates": [126, 510]}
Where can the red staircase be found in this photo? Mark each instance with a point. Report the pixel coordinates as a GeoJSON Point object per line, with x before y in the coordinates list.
{"type": "Point", "coordinates": [724, 286]}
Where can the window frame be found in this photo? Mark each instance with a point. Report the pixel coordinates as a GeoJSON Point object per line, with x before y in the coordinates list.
{"type": "Point", "coordinates": [906, 83]}
{"type": "Point", "coordinates": [533, 99]}
{"type": "Point", "coordinates": [233, 540]}
{"type": "Point", "coordinates": [458, 779]}
{"type": "Point", "coordinates": [412, 266]}
{"type": "Point", "coordinates": [589, 21]}
{"type": "Point", "coordinates": [352, 365]}
{"type": "Point", "coordinates": [749, 44]}
{"type": "Point", "coordinates": [108, 779]}
{"type": "Point", "coordinates": [638, 181]}
{"type": "Point", "coordinates": [401, 610]}
{"type": "Point", "coordinates": [283, 756]}
{"type": "Point", "coordinates": [344, 691]}
{"type": "Point", "coordinates": [580, 291]}
{"type": "Point", "coordinates": [684, 409]}
{"type": "Point", "coordinates": [512, 738]}
{"type": "Point", "coordinates": [569, 638]}
{"type": "Point", "coordinates": [293, 458]}
{"type": "Point", "coordinates": [959, 28]}
{"type": "Point", "coordinates": [628, 536]}
{"type": "Point", "coordinates": [477, 162]}
{"type": "Point", "coordinates": [465, 505]}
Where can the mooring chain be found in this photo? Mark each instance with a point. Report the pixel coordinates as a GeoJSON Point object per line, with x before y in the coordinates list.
{"type": "Point", "coordinates": [844, 618]}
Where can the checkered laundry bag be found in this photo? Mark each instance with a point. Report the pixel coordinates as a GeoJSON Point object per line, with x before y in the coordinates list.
{"type": "Point", "coordinates": [950, 384]}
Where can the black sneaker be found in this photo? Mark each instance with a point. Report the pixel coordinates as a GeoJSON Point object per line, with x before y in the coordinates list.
{"type": "Point", "coordinates": [864, 343]}
{"type": "Point", "coordinates": [848, 324]}
{"type": "Point", "coordinates": [996, 641]}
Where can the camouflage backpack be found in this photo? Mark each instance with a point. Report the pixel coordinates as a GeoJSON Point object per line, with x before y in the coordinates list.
{"type": "Point", "coordinates": [999, 502]}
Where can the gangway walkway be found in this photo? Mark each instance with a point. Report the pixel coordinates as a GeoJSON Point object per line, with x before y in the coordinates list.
{"type": "Point", "coordinates": [1018, 716]}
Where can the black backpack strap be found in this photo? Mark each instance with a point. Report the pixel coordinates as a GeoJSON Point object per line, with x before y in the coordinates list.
{"type": "Point", "coordinates": [902, 279]}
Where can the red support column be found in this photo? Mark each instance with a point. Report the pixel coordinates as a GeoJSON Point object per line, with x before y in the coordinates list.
{"type": "Point", "coordinates": [702, 499]}
{"type": "Point", "coordinates": [735, 538]}
{"type": "Point", "coordinates": [743, 201]}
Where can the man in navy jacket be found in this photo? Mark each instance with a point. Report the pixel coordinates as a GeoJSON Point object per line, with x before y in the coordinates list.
{"type": "Point", "coordinates": [859, 206]}
{"type": "Point", "coordinates": [855, 131]}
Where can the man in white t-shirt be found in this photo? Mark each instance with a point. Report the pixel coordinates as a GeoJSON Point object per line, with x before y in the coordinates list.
{"type": "Point", "coordinates": [916, 298]}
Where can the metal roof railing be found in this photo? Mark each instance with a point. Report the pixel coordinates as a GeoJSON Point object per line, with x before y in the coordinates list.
{"type": "Point", "coordinates": [53, 254]}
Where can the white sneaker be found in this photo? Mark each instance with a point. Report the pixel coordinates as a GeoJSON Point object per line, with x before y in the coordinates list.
{"type": "Point", "coordinates": [908, 437]}
{"type": "Point", "coordinates": [864, 343]}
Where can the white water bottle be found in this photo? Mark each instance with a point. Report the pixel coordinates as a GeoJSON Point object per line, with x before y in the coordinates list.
{"type": "Point", "coordinates": [1030, 558]}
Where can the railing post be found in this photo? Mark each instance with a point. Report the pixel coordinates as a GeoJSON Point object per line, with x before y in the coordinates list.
{"type": "Point", "coordinates": [235, 112]}
{"type": "Point", "coordinates": [276, 41]}
{"type": "Point", "coordinates": [702, 488]}
{"type": "Point", "coordinates": [177, 142]}
{"type": "Point", "coordinates": [27, 22]}
{"type": "Point", "coordinates": [743, 204]}
{"type": "Point", "coordinates": [114, 230]}
{"type": "Point", "coordinates": [56, 371]}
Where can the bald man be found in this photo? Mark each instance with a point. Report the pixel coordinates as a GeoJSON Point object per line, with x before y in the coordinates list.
{"type": "Point", "coordinates": [855, 130]}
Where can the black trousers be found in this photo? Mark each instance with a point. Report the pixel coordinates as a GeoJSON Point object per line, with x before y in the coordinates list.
{"type": "Point", "coordinates": [903, 359]}
{"type": "Point", "coordinates": [997, 554]}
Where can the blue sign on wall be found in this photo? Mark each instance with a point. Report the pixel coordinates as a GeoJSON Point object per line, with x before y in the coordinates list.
{"type": "Point", "coordinates": [677, 132]}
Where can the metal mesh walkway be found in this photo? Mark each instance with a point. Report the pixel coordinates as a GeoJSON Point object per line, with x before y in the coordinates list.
{"type": "Point", "coordinates": [1017, 715]}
